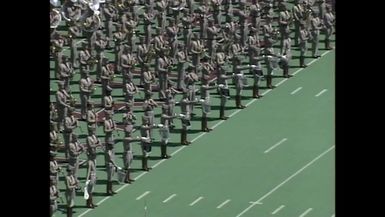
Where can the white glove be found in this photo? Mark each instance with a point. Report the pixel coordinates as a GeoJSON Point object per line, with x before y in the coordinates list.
{"type": "Point", "coordinates": [119, 168]}
{"type": "Point", "coordinates": [253, 66]}
{"type": "Point", "coordinates": [221, 85]}
{"type": "Point", "coordinates": [160, 125]}
{"type": "Point", "coordinates": [181, 115]}
{"type": "Point", "coordinates": [201, 100]}
{"type": "Point", "coordinates": [88, 181]}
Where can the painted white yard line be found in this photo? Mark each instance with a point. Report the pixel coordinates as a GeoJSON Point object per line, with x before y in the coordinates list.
{"type": "Point", "coordinates": [264, 93]}
{"type": "Point", "coordinates": [296, 90]}
{"type": "Point", "coordinates": [252, 101]}
{"type": "Point", "coordinates": [281, 82]}
{"type": "Point", "coordinates": [325, 53]}
{"type": "Point", "coordinates": [222, 204]}
{"type": "Point", "coordinates": [234, 113]}
{"type": "Point", "coordinates": [196, 201]}
{"type": "Point", "coordinates": [322, 91]}
{"type": "Point", "coordinates": [85, 212]}
{"type": "Point", "coordinates": [217, 124]}
{"type": "Point", "coordinates": [169, 198]}
{"type": "Point", "coordinates": [286, 180]}
{"type": "Point", "coordinates": [278, 209]}
{"type": "Point", "coordinates": [142, 174]}
{"type": "Point", "coordinates": [144, 194]}
{"type": "Point", "coordinates": [294, 73]}
{"type": "Point", "coordinates": [155, 165]}
{"type": "Point", "coordinates": [196, 138]}
{"type": "Point", "coordinates": [200, 135]}
{"type": "Point", "coordinates": [306, 212]}
{"type": "Point", "coordinates": [311, 62]}
{"type": "Point", "coordinates": [278, 143]}
{"type": "Point", "coordinates": [179, 149]}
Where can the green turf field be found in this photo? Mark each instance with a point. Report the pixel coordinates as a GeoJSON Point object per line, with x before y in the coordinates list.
{"type": "Point", "coordinates": [279, 152]}
{"type": "Point", "coordinates": [273, 158]}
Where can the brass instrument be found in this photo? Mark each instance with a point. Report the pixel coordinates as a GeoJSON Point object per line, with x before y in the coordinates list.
{"type": "Point", "coordinates": [72, 101]}
{"type": "Point", "coordinates": [56, 19]}
{"type": "Point", "coordinates": [122, 5]}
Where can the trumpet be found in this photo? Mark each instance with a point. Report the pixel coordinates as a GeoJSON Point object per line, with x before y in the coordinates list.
{"type": "Point", "coordinates": [72, 101]}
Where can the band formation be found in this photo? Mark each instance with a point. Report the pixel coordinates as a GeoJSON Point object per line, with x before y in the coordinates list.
{"type": "Point", "coordinates": [162, 49]}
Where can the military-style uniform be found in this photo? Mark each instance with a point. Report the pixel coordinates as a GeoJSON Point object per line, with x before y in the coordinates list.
{"type": "Point", "coordinates": [328, 22]}
{"type": "Point", "coordinates": [71, 184]}
{"type": "Point", "coordinates": [304, 37]}
{"type": "Point", "coordinates": [109, 13]}
{"type": "Point", "coordinates": [270, 60]}
{"type": "Point", "coordinates": [316, 25]}
{"type": "Point", "coordinates": [70, 124]}
{"type": "Point", "coordinates": [100, 46]}
{"type": "Point", "coordinates": [53, 196]}
{"type": "Point", "coordinates": [66, 71]}
{"type": "Point", "coordinates": [128, 155]}
{"type": "Point", "coordinates": [91, 119]}
{"type": "Point", "coordinates": [205, 99]}
{"type": "Point", "coordinates": [163, 68]}
{"type": "Point", "coordinates": [106, 76]}
{"type": "Point", "coordinates": [84, 59]}
{"type": "Point", "coordinates": [119, 38]}
{"type": "Point", "coordinates": [145, 143]}
{"type": "Point", "coordinates": [222, 78]}
{"type": "Point", "coordinates": [285, 19]}
{"type": "Point", "coordinates": [111, 168]}
{"type": "Point", "coordinates": [172, 34]}
{"type": "Point", "coordinates": [255, 13]}
{"type": "Point", "coordinates": [73, 155]}
{"type": "Point", "coordinates": [182, 58]}
{"type": "Point", "coordinates": [161, 7]}
{"type": "Point", "coordinates": [197, 49]}
{"type": "Point", "coordinates": [298, 15]}
{"type": "Point", "coordinates": [185, 105]}
{"type": "Point", "coordinates": [212, 32]}
{"type": "Point", "coordinates": [148, 108]}
{"type": "Point", "coordinates": [86, 86]}
{"type": "Point", "coordinates": [54, 170]}
{"type": "Point", "coordinates": [148, 80]}
{"type": "Point", "coordinates": [148, 18]}
{"type": "Point", "coordinates": [130, 90]}
{"type": "Point", "coordinates": [91, 182]}
{"type": "Point", "coordinates": [61, 104]}
{"type": "Point", "coordinates": [108, 101]}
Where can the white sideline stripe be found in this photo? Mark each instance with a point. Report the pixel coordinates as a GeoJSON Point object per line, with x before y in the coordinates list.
{"type": "Point", "coordinates": [319, 94]}
{"type": "Point", "coordinates": [144, 194]}
{"type": "Point", "coordinates": [176, 151]}
{"type": "Point", "coordinates": [222, 204]}
{"type": "Point", "coordinates": [143, 173]}
{"type": "Point", "coordinates": [281, 82]}
{"type": "Point", "coordinates": [306, 212]}
{"type": "Point", "coordinates": [310, 62]}
{"type": "Point", "coordinates": [196, 201]}
{"type": "Point", "coordinates": [169, 198]}
{"type": "Point", "coordinates": [249, 103]}
{"type": "Point", "coordinates": [264, 93]}
{"type": "Point", "coordinates": [278, 209]}
{"type": "Point", "coordinates": [296, 90]}
{"type": "Point", "coordinates": [157, 164]}
{"type": "Point", "coordinates": [278, 143]}
{"type": "Point", "coordinates": [234, 113]}
{"type": "Point", "coordinates": [288, 179]}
